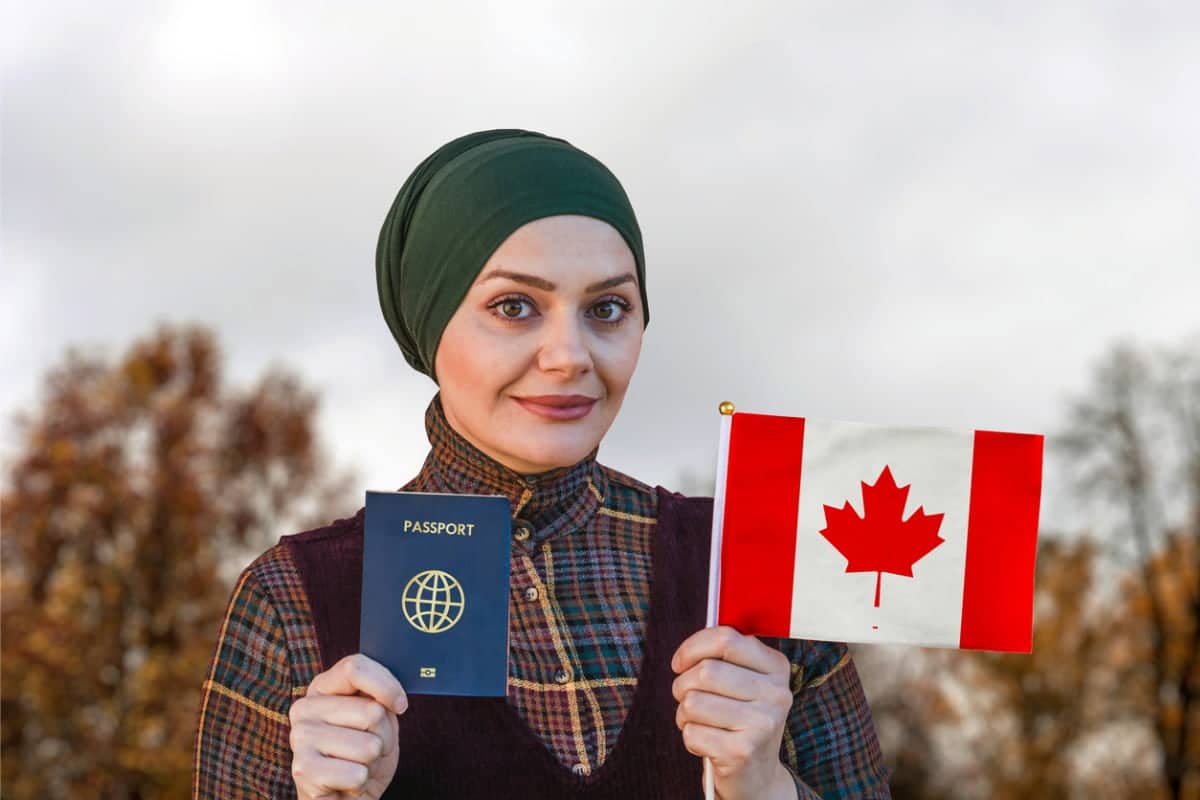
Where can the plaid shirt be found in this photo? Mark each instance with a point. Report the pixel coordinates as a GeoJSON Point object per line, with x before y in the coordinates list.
{"type": "Point", "coordinates": [578, 602]}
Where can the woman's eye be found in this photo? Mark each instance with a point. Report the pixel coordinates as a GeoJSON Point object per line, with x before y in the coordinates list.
{"type": "Point", "coordinates": [512, 308]}
{"type": "Point", "coordinates": [610, 310]}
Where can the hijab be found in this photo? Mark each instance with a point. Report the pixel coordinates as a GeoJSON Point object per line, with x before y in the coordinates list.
{"type": "Point", "coordinates": [461, 203]}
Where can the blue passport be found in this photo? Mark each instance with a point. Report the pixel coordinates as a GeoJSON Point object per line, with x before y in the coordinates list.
{"type": "Point", "coordinates": [435, 590]}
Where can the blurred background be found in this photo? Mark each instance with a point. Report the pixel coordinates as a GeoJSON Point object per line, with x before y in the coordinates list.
{"type": "Point", "coordinates": [958, 214]}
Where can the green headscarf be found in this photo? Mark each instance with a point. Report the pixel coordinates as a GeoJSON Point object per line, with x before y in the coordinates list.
{"type": "Point", "coordinates": [461, 203]}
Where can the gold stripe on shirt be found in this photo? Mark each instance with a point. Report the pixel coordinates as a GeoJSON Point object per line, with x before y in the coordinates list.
{"type": "Point", "coordinates": [608, 512]}
{"type": "Point", "coordinates": [526, 496]}
{"type": "Point", "coordinates": [571, 686]}
{"type": "Point", "coordinates": [814, 683]}
{"type": "Point", "coordinates": [598, 717]}
{"type": "Point", "coordinates": [247, 702]}
{"type": "Point", "coordinates": [549, 566]}
{"type": "Point", "coordinates": [793, 759]}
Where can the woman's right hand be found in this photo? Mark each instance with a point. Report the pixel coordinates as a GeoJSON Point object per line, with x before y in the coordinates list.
{"type": "Point", "coordinates": [344, 731]}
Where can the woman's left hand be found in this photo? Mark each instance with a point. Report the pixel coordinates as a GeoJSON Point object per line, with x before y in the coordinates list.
{"type": "Point", "coordinates": [734, 698]}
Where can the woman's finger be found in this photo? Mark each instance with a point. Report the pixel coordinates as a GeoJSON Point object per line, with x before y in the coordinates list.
{"type": "Point", "coordinates": [312, 714]}
{"type": "Point", "coordinates": [347, 744]}
{"type": "Point", "coordinates": [390, 743]}
{"type": "Point", "coordinates": [319, 776]}
{"type": "Point", "coordinates": [358, 673]}
{"type": "Point", "coordinates": [357, 711]}
{"type": "Point", "coordinates": [720, 677]}
{"type": "Point", "coordinates": [726, 644]}
{"type": "Point", "coordinates": [716, 711]}
{"type": "Point", "coordinates": [726, 748]}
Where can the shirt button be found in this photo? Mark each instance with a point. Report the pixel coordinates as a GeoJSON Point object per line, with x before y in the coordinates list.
{"type": "Point", "coordinates": [562, 676]}
{"type": "Point", "coordinates": [522, 531]}
{"type": "Point", "coordinates": [579, 769]}
{"type": "Point", "coordinates": [531, 593]}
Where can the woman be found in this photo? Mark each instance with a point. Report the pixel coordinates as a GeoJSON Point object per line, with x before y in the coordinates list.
{"type": "Point", "coordinates": [510, 270]}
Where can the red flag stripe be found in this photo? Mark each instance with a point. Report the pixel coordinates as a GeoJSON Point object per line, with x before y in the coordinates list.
{"type": "Point", "coordinates": [762, 499]}
{"type": "Point", "coordinates": [1006, 479]}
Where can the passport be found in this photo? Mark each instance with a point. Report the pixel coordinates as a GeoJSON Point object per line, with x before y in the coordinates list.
{"type": "Point", "coordinates": [435, 590]}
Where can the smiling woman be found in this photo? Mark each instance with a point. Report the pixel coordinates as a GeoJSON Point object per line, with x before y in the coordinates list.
{"type": "Point", "coordinates": [556, 342]}
{"type": "Point", "coordinates": [510, 270]}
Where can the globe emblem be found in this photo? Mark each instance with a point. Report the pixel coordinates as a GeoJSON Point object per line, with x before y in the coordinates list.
{"type": "Point", "coordinates": [433, 601]}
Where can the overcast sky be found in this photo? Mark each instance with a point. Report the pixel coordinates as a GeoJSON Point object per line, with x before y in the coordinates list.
{"type": "Point", "coordinates": [919, 213]}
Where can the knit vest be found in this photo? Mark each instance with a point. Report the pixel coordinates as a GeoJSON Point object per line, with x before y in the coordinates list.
{"type": "Point", "coordinates": [465, 748]}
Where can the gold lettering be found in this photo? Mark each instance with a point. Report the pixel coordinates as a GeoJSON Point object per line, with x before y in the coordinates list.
{"type": "Point", "coordinates": [438, 528]}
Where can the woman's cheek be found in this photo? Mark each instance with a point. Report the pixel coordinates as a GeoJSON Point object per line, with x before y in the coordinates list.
{"type": "Point", "coordinates": [621, 358]}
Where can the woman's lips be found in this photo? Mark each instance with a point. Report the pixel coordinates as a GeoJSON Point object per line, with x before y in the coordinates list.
{"type": "Point", "coordinates": [558, 406]}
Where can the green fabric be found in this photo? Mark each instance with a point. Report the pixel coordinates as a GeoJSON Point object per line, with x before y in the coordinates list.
{"type": "Point", "coordinates": [461, 203]}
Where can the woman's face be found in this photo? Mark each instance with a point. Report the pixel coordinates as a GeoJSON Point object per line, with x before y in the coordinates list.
{"type": "Point", "coordinates": [534, 364]}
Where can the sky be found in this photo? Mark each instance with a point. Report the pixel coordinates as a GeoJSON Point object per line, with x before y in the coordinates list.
{"type": "Point", "coordinates": [933, 213]}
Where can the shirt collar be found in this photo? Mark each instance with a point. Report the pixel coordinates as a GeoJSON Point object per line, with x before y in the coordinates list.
{"type": "Point", "coordinates": [554, 502]}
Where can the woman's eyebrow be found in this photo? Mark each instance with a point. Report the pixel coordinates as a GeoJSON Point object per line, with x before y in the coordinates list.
{"type": "Point", "coordinates": [545, 285]}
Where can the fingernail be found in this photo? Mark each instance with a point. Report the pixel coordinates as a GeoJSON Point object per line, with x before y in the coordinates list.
{"type": "Point", "coordinates": [401, 705]}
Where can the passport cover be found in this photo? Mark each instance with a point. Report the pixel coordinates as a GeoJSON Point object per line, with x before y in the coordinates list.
{"type": "Point", "coordinates": [435, 590]}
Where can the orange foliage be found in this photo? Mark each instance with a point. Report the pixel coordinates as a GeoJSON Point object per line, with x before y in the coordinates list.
{"type": "Point", "coordinates": [1060, 722]}
{"type": "Point", "coordinates": [138, 487]}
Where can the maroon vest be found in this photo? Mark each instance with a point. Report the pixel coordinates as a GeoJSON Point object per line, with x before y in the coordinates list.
{"type": "Point", "coordinates": [463, 748]}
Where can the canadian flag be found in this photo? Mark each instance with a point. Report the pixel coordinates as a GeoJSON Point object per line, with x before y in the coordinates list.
{"type": "Point", "coordinates": [852, 532]}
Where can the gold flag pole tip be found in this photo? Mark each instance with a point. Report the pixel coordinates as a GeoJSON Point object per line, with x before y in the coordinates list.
{"type": "Point", "coordinates": [726, 407]}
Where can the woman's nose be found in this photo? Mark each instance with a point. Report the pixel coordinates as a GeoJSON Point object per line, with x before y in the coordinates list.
{"type": "Point", "coordinates": [564, 346]}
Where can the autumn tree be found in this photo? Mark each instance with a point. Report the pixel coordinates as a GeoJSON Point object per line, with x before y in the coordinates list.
{"type": "Point", "coordinates": [1052, 724]}
{"type": "Point", "coordinates": [1105, 706]}
{"type": "Point", "coordinates": [1134, 440]}
{"type": "Point", "coordinates": [140, 487]}
{"type": "Point", "coordinates": [1072, 729]}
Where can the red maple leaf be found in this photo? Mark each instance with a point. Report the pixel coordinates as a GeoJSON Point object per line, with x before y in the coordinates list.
{"type": "Point", "coordinates": [881, 540]}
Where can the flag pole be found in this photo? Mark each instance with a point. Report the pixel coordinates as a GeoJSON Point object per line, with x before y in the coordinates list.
{"type": "Point", "coordinates": [714, 552]}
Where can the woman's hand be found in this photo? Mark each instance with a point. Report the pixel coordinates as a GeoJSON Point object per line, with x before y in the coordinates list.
{"type": "Point", "coordinates": [344, 731]}
{"type": "Point", "coordinates": [734, 698]}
